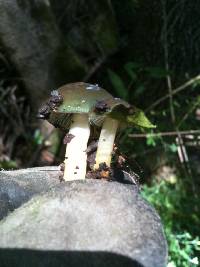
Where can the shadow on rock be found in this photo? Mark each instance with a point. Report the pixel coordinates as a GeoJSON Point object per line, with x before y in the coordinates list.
{"type": "Point", "coordinates": [33, 258]}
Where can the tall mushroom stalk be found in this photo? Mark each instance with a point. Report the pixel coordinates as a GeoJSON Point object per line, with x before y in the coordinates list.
{"type": "Point", "coordinates": [106, 142]}
{"type": "Point", "coordinates": [76, 156]}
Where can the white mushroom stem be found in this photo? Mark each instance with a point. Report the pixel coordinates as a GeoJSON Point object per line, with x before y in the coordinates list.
{"type": "Point", "coordinates": [75, 156]}
{"type": "Point", "coordinates": [106, 142]}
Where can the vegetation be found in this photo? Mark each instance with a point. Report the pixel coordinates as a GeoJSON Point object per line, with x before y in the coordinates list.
{"type": "Point", "coordinates": [179, 212]}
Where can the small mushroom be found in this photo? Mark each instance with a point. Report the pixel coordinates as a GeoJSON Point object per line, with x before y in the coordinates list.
{"type": "Point", "coordinates": [119, 115]}
{"type": "Point", "coordinates": [69, 109]}
{"type": "Point", "coordinates": [76, 107]}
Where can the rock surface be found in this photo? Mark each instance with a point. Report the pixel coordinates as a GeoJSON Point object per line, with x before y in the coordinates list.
{"type": "Point", "coordinates": [17, 187]}
{"type": "Point", "coordinates": [81, 223]}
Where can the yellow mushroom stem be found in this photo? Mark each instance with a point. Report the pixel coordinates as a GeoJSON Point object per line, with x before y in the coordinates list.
{"type": "Point", "coordinates": [106, 142]}
{"type": "Point", "coordinates": [75, 156]}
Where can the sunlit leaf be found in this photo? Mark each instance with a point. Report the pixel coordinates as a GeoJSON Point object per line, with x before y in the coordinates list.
{"type": "Point", "coordinates": [195, 261]}
{"type": "Point", "coordinates": [140, 119]}
{"type": "Point", "coordinates": [150, 141]}
{"type": "Point", "coordinates": [38, 137]}
{"type": "Point", "coordinates": [173, 148]}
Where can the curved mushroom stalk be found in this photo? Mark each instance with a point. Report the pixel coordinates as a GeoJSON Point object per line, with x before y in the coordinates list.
{"type": "Point", "coordinates": [106, 142]}
{"type": "Point", "coordinates": [75, 156]}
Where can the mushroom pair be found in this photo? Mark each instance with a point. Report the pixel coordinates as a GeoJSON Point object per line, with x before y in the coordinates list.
{"type": "Point", "coordinates": [82, 108]}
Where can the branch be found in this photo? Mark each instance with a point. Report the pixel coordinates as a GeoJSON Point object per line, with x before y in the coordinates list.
{"type": "Point", "coordinates": [175, 133]}
{"type": "Point", "coordinates": [175, 91]}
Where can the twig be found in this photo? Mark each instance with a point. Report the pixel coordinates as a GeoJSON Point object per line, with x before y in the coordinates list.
{"type": "Point", "coordinates": [98, 64]}
{"type": "Point", "coordinates": [166, 55]}
{"type": "Point", "coordinates": [195, 105]}
{"type": "Point", "coordinates": [182, 153]}
{"type": "Point", "coordinates": [164, 134]}
{"type": "Point", "coordinates": [17, 110]}
{"type": "Point", "coordinates": [175, 91]}
{"type": "Point", "coordinates": [94, 68]}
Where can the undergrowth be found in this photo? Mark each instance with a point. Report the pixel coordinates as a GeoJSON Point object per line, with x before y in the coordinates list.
{"type": "Point", "coordinates": [179, 212]}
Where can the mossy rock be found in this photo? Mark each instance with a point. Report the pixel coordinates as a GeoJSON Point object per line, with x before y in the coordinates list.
{"type": "Point", "coordinates": [80, 223]}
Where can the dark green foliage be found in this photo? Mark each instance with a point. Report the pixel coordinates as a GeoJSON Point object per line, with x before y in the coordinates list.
{"type": "Point", "coordinates": [119, 87]}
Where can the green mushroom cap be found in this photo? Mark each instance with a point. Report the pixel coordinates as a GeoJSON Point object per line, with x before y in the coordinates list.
{"type": "Point", "coordinates": [97, 103]}
{"type": "Point", "coordinates": [81, 97]}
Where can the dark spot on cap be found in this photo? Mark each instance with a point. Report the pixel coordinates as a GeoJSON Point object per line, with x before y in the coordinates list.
{"type": "Point", "coordinates": [101, 106]}
{"type": "Point", "coordinates": [52, 105]}
{"type": "Point", "coordinates": [44, 112]}
{"type": "Point", "coordinates": [55, 100]}
{"type": "Point", "coordinates": [56, 97]}
{"type": "Point", "coordinates": [77, 167]}
{"type": "Point", "coordinates": [75, 172]}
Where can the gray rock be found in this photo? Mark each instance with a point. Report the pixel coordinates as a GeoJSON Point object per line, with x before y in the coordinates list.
{"type": "Point", "coordinates": [17, 187]}
{"type": "Point", "coordinates": [83, 223]}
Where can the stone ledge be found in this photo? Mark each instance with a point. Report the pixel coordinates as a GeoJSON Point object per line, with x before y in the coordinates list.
{"type": "Point", "coordinates": [87, 223]}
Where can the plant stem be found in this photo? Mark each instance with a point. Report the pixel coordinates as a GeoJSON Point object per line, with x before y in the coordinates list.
{"type": "Point", "coordinates": [75, 156]}
{"type": "Point", "coordinates": [106, 142]}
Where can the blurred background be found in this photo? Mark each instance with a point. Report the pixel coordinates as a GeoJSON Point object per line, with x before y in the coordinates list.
{"type": "Point", "coordinates": [146, 52]}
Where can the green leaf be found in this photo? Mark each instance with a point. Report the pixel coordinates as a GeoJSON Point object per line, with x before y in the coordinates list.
{"type": "Point", "coordinates": [173, 147]}
{"type": "Point", "coordinates": [157, 73]}
{"type": "Point", "coordinates": [118, 84]}
{"type": "Point", "coordinates": [150, 141]}
{"type": "Point", "coordinates": [132, 65]}
{"type": "Point", "coordinates": [140, 90]}
{"type": "Point", "coordinates": [6, 165]}
{"type": "Point", "coordinates": [38, 137]}
{"type": "Point", "coordinates": [140, 119]}
{"type": "Point", "coordinates": [131, 69]}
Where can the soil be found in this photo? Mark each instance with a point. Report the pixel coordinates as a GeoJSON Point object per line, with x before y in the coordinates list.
{"type": "Point", "coordinates": [67, 139]}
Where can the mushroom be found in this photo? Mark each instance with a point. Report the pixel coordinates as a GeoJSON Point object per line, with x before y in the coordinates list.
{"type": "Point", "coordinates": [119, 115]}
{"type": "Point", "coordinates": [68, 109]}
{"type": "Point", "coordinates": [77, 108]}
